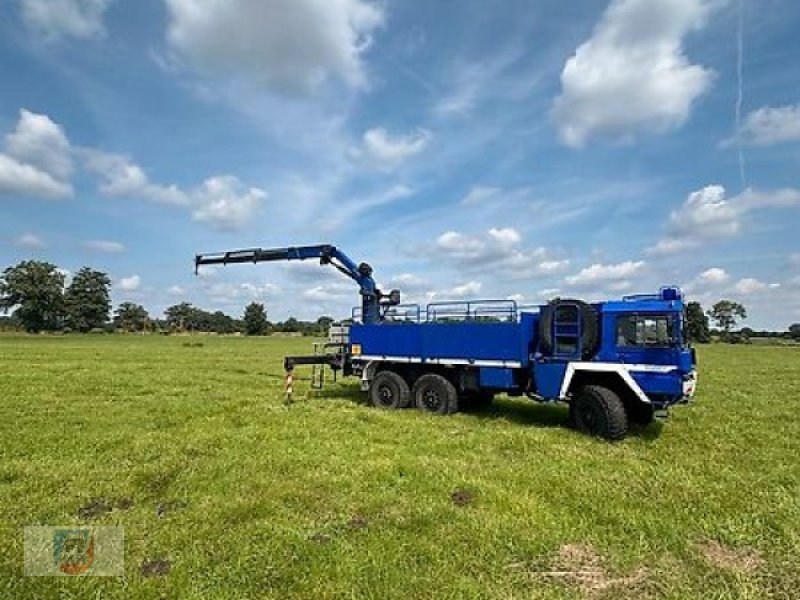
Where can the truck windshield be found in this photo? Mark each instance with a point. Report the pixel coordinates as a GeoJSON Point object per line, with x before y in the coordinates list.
{"type": "Point", "coordinates": [646, 331]}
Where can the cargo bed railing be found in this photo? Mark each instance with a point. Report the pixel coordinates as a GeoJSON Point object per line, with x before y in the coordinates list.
{"type": "Point", "coordinates": [454, 311]}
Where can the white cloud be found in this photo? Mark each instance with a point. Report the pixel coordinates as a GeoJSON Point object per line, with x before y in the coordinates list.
{"type": "Point", "coordinates": [130, 284]}
{"type": "Point", "coordinates": [291, 46]}
{"type": "Point", "coordinates": [794, 259]}
{"type": "Point", "coordinates": [236, 291]}
{"type": "Point", "coordinates": [767, 125]}
{"type": "Point", "coordinates": [632, 76]}
{"type": "Point", "coordinates": [25, 180]}
{"type": "Point", "coordinates": [41, 143]}
{"type": "Point", "coordinates": [600, 273]}
{"type": "Point", "coordinates": [480, 194]}
{"type": "Point", "coordinates": [750, 285]}
{"type": "Point", "coordinates": [29, 241]}
{"type": "Point", "coordinates": [329, 292]}
{"type": "Point", "coordinates": [225, 202]}
{"type": "Point", "coordinates": [37, 159]}
{"type": "Point", "coordinates": [470, 288]}
{"type": "Point", "coordinates": [713, 276]}
{"type": "Point", "coordinates": [497, 247]}
{"type": "Point", "coordinates": [389, 152]}
{"type": "Point", "coordinates": [56, 19]}
{"type": "Point", "coordinates": [709, 214]}
{"type": "Point", "coordinates": [104, 246]}
{"type": "Point", "coordinates": [177, 290]}
{"type": "Point", "coordinates": [121, 177]}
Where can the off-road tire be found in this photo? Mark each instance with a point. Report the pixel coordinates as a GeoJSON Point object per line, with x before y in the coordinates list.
{"type": "Point", "coordinates": [389, 390]}
{"type": "Point", "coordinates": [598, 411]}
{"type": "Point", "coordinates": [435, 394]}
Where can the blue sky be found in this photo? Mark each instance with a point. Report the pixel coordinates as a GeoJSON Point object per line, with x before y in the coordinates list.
{"type": "Point", "coordinates": [513, 149]}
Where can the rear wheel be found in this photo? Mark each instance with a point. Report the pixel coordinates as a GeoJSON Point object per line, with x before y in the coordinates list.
{"type": "Point", "coordinates": [435, 394]}
{"type": "Point", "coordinates": [389, 390]}
{"type": "Point", "coordinates": [598, 411]}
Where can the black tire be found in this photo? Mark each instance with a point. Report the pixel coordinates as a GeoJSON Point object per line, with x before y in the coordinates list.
{"type": "Point", "coordinates": [476, 401]}
{"type": "Point", "coordinates": [589, 326]}
{"type": "Point", "coordinates": [389, 390]}
{"type": "Point", "coordinates": [435, 394]}
{"type": "Point", "coordinates": [598, 411]}
{"type": "Point", "coordinates": [640, 413]}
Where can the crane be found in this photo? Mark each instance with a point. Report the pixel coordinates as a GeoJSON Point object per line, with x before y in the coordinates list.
{"type": "Point", "coordinates": [372, 299]}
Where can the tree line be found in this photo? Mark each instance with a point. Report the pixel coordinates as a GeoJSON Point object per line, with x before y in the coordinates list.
{"type": "Point", "coordinates": [40, 300]}
{"type": "Point", "coordinates": [726, 314]}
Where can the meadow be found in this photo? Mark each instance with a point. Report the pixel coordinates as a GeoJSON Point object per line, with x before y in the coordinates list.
{"type": "Point", "coordinates": [225, 491]}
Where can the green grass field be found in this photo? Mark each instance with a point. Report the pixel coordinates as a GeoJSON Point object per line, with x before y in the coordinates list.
{"type": "Point", "coordinates": [187, 443]}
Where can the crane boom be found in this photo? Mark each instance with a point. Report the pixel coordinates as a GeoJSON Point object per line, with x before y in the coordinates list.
{"type": "Point", "coordinates": [371, 296]}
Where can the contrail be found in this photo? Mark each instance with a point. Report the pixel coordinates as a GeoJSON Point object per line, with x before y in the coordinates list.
{"type": "Point", "coordinates": [740, 94]}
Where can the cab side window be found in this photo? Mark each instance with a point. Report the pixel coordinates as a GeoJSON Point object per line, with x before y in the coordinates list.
{"type": "Point", "coordinates": [644, 331]}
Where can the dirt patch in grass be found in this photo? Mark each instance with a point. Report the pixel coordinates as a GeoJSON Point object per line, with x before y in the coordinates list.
{"type": "Point", "coordinates": [462, 497]}
{"type": "Point", "coordinates": [164, 508]}
{"type": "Point", "coordinates": [321, 538]}
{"type": "Point", "coordinates": [580, 566]}
{"type": "Point", "coordinates": [358, 522]}
{"type": "Point", "coordinates": [156, 568]}
{"type": "Point", "coordinates": [741, 560]}
{"type": "Point", "coordinates": [124, 503]}
{"type": "Point", "coordinates": [96, 507]}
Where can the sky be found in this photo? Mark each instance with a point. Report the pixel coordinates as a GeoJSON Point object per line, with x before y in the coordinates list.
{"type": "Point", "coordinates": [515, 149]}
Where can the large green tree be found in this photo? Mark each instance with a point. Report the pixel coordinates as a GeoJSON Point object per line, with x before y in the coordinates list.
{"type": "Point", "coordinates": [697, 323]}
{"type": "Point", "coordinates": [88, 300]}
{"type": "Point", "coordinates": [181, 316]}
{"type": "Point", "coordinates": [131, 317]}
{"type": "Point", "coordinates": [794, 331]}
{"type": "Point", "coordinates": [36, 290]}
{"type": "Point", "coordinates": [726, 314]}
{"type": "Point", "coordinates": [255, 319]}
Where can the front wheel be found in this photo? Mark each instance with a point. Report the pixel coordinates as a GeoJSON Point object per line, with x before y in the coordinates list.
{"type": "Point", "coordinates": [435, 394]}
{"type": "Point", "coordinates": [598, 411]}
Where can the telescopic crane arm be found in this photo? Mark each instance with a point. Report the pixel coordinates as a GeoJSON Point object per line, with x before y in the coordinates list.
{"type": "Point", "coordinates": [371, 297]}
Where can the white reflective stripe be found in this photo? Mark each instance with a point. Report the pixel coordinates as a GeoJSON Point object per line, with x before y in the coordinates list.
{"type": "Point", "coordinates": [511, 364]}
{"type": "Point", "coordinates": [651, 368]}
{"type": "Point", "coordinates": [597, 367]}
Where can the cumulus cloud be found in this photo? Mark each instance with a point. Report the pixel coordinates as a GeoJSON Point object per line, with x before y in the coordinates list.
{"type": "Point", "coordinates": [387, 151]}
{"type": "Point", "coordinates": [632, 75]}
{"type": "Point", "coordinates": [289, 46]}
{"type": "Point", "coordinates": [714, 275]}
{"type": "Point", "coordinates": [41, 143]}
{"type": "Point", "coordinates": [237, 291]}
{"type": "Point", "coordinates": [470, 288]}
{"type": "Point", "coordinates": [37, 159]}
{"type": "Point", "coordinates": [600, 273]}
{"type": "Point", "coordinates": [121, 177]}
{"type": "Point", "coordinates": [750, 285]}
{"type": "Point", "coordinates": [57, 19]}
{"type": "Point", "coordinates": [29, 241]}
{"type": "Point", "coordinates": [105, 246]}
{"type": "Point", "coordinates": [709, 213]}
{"type": "Point", "coordinates": [226, 202]}
{"type": "Point", "coordinates": [772, 125]}
{"type": "Point", "coordinates": [177, 290]}
{"type": "Point", "coordinates": [223, 200]}
{"type": "Point", "coordinates": [499, 247]}
{"type": "Point", "coordinates": [130, 284]}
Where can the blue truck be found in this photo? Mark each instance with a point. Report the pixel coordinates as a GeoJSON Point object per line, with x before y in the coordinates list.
{"type": "Point", "coordinates": [614, 363]}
